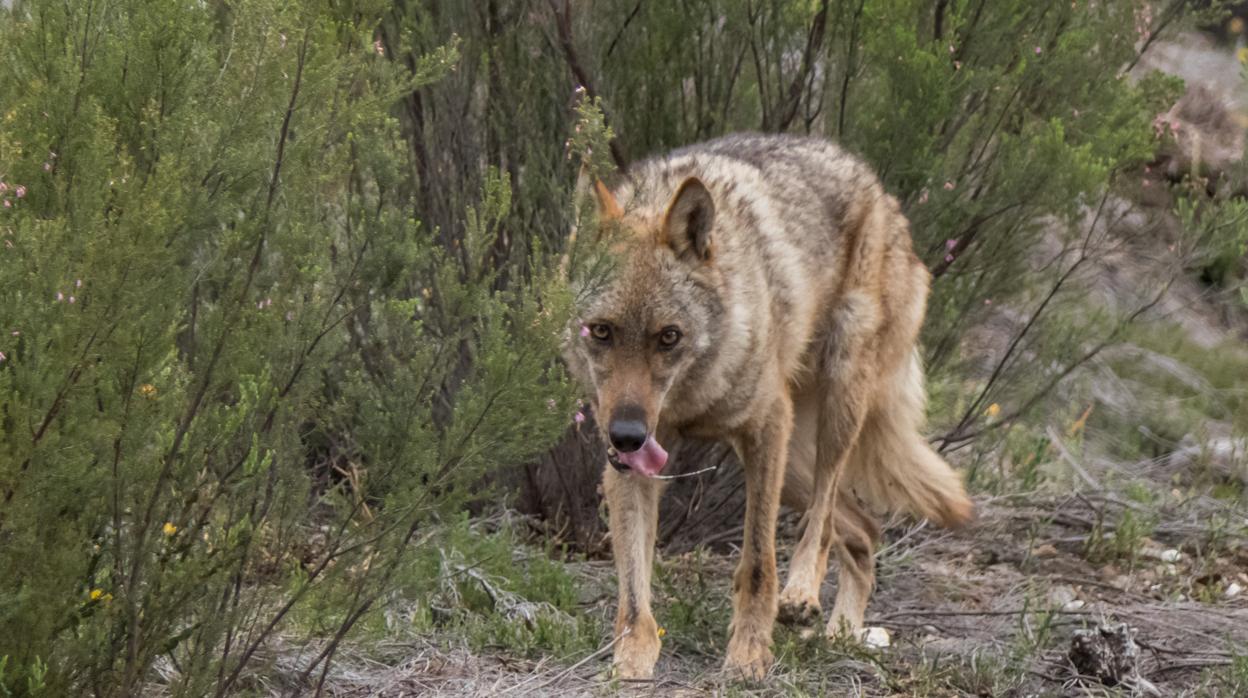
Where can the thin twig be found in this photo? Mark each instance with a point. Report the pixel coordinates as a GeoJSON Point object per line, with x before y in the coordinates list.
{"type": "Point", "coordinates": [557, 677]}
{"type": "Point", "coordinates": [563, 25]}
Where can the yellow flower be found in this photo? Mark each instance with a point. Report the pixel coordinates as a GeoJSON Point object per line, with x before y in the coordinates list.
{"type": "Point", "coordinates": [993, 410]}
{"type": "Point", "coordinates": [148, 391]}
{"type": "Point", "coordinates": [1242, 54]}
{"type": "Point", "coordinates": [662, 632]}
{"type": "Point", "coordinates": [1079, 423]}
{"type": "Point", "coordinates": [100, 595]}
{"type": "Point", "coordinates": [170, 529]}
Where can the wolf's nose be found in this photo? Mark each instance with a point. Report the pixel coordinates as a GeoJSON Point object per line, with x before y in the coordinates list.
{"type": "Point", "coordinates": [627, 435]}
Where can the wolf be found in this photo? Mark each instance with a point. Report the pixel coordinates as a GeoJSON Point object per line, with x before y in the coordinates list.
{"type": "Point", "coordinates": [764, 292]}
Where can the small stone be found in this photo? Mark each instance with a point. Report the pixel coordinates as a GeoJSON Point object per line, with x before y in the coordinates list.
{"type": "Point", "coordinates": [876, 637]}
{"type": "Point", "coordinates": [1045, 550]}
{"type": "Point", "coordinates": [1060, 596]}
{"type": "Point", "coordinates": [1171, 555]}
{"type": "Point", "coordinates": [1232, 590]}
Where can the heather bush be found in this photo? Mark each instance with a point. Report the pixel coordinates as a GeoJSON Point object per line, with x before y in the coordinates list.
{"type": "Point", "coordinates": [240, 376]}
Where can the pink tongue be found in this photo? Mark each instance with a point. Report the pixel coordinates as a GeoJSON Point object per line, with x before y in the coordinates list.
{"type": "Point", "coordinates": [647, 460]}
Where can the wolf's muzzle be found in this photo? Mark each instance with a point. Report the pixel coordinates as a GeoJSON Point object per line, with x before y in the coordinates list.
{"type": "Point", "coordinates": [613, 457]}
{"type": "Point", "coordinates": [627, 429]}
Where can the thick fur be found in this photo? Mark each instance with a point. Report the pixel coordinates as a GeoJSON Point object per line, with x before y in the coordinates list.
{"type": "Point", "coordinates": [788, 276]}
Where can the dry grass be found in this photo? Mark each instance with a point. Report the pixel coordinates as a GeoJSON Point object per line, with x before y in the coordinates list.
{"type": "Point", "coordinates": [987, 610]}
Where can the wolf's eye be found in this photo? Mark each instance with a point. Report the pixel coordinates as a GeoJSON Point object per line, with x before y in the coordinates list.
{"type": "Point", "coordinates": [601, 332]}
{"type": "Point", "coordinates": [669, 337]}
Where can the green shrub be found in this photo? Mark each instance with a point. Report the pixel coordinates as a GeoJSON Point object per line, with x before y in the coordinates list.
{"type": "Point", "coordinates": [239, 375]}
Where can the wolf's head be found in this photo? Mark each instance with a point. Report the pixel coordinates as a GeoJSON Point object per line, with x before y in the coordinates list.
{"type": "Point", "coordinates": [652, 323]}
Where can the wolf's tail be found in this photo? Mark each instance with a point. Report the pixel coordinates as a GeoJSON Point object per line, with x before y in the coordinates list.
{"type": "Point", "coordinates": [892, 466]}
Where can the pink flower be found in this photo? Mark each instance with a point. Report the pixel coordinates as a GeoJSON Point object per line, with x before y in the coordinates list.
{"type": "Point", "coordinates": [8, 204]}
{"type": "Point", "coordinates": [3, 187]}
{"type": "Point", "coordinates": [950, 244]}
{"type": "Point", "coordinates": [21, 191]}
{"type": "Point", "coordinates": [579, 417]}
{"type": "Point", "coordinates": [60, 296]}
{"type": "Point", "coordinates": [948, 258]}
{"type": "Point", "coordinates": [1037, 50]}
{"type": "Point", "coordinates": [987, 301]}
{"type": "Point", "coordinates": [584, 330]}
{"type": "Point", "coordinates": [948, 186]}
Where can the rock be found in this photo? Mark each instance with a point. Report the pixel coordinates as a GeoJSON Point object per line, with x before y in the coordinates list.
{"type": "Point", "coordinates": [1061, 595]}
{"type": "Point", "coordinates": [876, 637]}
{"type": "Point", "coordinates": [1232, 590]}
{"type": "Point", "coordinates": [1228, 457]}
{"type": "Point", "coordinates": [1043, 551]}
{"type": "Point", "coordinates": [1156, 552]}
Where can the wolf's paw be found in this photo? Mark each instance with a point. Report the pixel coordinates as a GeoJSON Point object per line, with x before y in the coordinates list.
{"type": "Point", "coordinates": [636, 654]}
{"type": "Point", "coordinates": [748, 658]}
{"type": "Point", "coordinates": [799, 613]}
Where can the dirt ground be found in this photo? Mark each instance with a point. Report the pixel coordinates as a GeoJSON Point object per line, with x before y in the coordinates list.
{"type": "Point", "coordinates": [988, 610]}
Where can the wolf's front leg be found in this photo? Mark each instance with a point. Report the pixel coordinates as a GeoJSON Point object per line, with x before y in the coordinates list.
{"type": "Point", "coordinates": [763, 452]}
{"type": "Point", "coordinates": [633, 515]}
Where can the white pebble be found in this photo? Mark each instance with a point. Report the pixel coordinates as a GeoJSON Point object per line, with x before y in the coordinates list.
{"type": "Point", "coordinates": [876, 637]}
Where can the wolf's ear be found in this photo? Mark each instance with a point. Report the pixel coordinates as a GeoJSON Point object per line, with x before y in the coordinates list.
{"type": "Point", "coordinates": [586, 186]}
{"type": "Point", "coordinates": [689, 219]}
